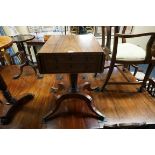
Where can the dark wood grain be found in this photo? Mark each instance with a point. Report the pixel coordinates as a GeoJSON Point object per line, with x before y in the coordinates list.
{"type": "Point", "coordinates": [71, 54]}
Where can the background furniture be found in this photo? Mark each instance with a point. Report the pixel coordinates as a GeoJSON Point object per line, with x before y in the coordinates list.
{"type": "Point", "coordinates": [127, 53]}
{"type": "Point", "coordinates": [35, 44]}
{"type": "Point", "coordinates": [20, 40]}
{"type": "Point", "coordinates": [11, 103]}
{"type": "Point", "coordinates": [38, 42]}
{"type": "Point", "coordinates": [71, 54]}
{"type": "Point", "coordinates": [82, 29]}
{"type": "Point", "coordinates": [150, 87]}
{"type": "Point", "coordinates": [5, 42]}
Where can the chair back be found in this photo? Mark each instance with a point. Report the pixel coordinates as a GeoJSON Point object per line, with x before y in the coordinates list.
{"type": "Point", "coordinates": [111, 30]}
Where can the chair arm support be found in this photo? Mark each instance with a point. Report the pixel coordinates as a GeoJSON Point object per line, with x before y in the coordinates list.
{"type": "Point", "coordinates": [134, 35]}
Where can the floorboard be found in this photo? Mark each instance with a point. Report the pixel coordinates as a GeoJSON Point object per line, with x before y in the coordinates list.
{"type": "Point", "coordinates": [120, 104]}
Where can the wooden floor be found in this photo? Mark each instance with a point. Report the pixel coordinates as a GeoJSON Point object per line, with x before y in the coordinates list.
{"type": "Point", "coordinates": [119, 103]}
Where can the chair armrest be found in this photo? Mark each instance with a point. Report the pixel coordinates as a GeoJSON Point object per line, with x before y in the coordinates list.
{"type": "Point", "coordinates": [134, 35]}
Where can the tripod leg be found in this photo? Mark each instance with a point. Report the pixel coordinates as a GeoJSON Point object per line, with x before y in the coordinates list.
{"type": "Point", "coordinates": [11, 109]}
{"type": "Point", "coordinates": [12, 103]}
{"type": "Point", "coordinates": [21, 70]}
{"type": "Point", "coordinates": [36, 70]}
{"type": "Point", "coordinates": [53, 111]}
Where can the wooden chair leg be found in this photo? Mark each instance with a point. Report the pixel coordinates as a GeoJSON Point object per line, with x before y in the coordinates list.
{"type": "Point", "coordinates": [136, 69]}
{"type": "Point", "coordinates": [147, 74]}
{"type": "Point", "coordinates": [112, 65]}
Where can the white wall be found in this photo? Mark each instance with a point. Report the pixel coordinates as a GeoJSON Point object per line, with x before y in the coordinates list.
{"type": "Point", "coordinates": [141, 41]}
{"type": "Point", "coordinates": [22, 29]}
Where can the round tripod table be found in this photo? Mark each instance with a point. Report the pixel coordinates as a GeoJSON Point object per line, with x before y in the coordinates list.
{"type": "Point", "coordinates": [19, 40]}
{"type": "Point", "coordinates": [11, 103]}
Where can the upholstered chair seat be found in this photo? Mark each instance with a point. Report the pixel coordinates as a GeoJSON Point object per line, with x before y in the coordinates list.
{"type": "Point", "coordinates": [130, 52]}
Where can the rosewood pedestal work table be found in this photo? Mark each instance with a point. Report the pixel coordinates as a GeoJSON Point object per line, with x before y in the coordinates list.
{"type": "Point", "coordinates": [19, 40]}
{"type": "Point", "coordinates": [11, 104]}
{"type": "Point", "coordinates": [71, 54]}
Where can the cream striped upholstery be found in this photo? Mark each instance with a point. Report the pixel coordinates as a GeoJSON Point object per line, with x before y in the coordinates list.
{"type": "Point", "coordinates": [130, 52]}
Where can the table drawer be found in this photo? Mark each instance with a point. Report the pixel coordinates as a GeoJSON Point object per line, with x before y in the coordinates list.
{"type": "Point", "coordinates": [73, 58]}
{"type": "Point", "coordinates": [71, 68]}
{"type": "Point", "coordinates": [71, 63]}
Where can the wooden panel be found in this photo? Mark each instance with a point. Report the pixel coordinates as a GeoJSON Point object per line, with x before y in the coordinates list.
{"type": "Point", "coordinates": [71, 63]}
{"type": "Point", "coordinates": [70, 68]}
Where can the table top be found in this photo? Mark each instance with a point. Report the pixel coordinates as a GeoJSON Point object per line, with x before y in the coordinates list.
{"type": "Point", "coordinates": [23, 37]}
{"type": "Point", "coordinates": [71, 44]}
{"type": "Point", "coordinates": [71, 54]}
{"type": "Point", "coordinates": [35, 41]}
{"type": "Point", "coordinates": [5, 42]}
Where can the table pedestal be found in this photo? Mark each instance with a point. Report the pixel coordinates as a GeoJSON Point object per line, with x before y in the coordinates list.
{"type": "Point", "coordinates": [12, 104]}
{"type": "Point", "coordinates": [73, 93]}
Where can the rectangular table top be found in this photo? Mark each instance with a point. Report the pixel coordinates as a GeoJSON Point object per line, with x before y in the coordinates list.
{"type": "Point", "coordinates": [71, 54]}
{"type": "Point", "coordinates": [70, 44]}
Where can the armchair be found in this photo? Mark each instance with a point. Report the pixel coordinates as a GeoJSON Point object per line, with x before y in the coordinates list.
{"type": "Point", "coordinates": [128, 54]}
